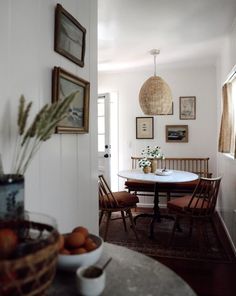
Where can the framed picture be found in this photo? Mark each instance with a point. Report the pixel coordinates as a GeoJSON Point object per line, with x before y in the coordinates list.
{"type": "Point", "coordinates": [69, 37]}
{"type": "Point", "coordinates": [177, 133]}
{"type": "Point", "coordinates": [171, 111]}
{"type": "Point", "coordinates": [187, 108]}
{"type": "Point", "coordinates": [144, 127]}
{"type": "Point", "coordinates": [64, 84]}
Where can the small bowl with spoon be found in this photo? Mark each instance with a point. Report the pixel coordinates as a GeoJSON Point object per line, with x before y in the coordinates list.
{"type": "Point", "coordinates": [91, 280]}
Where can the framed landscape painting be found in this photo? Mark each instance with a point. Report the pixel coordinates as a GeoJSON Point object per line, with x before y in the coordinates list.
{"type": "Point", "coordinates": [177, 133]}
{"type": "Point", "coordinates": [65, 83]}
{"type": "Point", "coordinates": [144, 127]}
{"type": "Point", "coordinates": [69, 37]}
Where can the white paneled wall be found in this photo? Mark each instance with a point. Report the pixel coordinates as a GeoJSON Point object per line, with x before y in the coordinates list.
{"type": "Point", "coordinates": [62, 179]}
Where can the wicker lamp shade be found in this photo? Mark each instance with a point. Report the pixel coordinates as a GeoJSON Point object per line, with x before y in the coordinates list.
{"type": "Point", "coordinates": [155, 96]}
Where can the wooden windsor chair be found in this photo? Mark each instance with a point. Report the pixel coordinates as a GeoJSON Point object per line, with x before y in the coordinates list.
{"type": "Point", "coordinates": [110, 202]}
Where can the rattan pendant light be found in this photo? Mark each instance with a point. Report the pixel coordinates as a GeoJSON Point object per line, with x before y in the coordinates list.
{"type": "Point", "coordinates": [155, 95]}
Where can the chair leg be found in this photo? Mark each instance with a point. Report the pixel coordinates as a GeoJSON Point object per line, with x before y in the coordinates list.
{"type": "Point", "coordinates": [132, 223]}
{"type": "Point", "coordinates": [107, 225]}
{"type": "Point", "coordinates": [100, 217]}
{"type": "Point", "coordinates": [124, 222]}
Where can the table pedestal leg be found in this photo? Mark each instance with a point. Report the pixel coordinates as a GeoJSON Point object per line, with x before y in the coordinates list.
{"type": "Point", "coordinates": [156, 212]}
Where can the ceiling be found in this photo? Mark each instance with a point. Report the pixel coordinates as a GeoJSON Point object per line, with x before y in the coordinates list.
{"type": "Point", "coordinates": [185, 31]}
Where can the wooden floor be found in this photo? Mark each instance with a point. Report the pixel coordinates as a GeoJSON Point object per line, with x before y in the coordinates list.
{"type": "Point", "coordinates": [208, 278]}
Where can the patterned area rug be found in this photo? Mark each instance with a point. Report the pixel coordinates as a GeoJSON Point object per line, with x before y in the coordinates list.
{"type": "Point", "coordinates": [183, 246]}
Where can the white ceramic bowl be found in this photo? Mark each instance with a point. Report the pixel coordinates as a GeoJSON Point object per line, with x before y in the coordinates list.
{"type": "Point", "coordinates": [72, 262]}
{"type": "Point", "coordinates": [162, 172]}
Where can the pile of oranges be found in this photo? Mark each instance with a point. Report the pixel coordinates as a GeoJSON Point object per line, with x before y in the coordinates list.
{"type": "Point", "coordinates": [8, 242]}
{"type": "Point", "coordinates": [76, 242]}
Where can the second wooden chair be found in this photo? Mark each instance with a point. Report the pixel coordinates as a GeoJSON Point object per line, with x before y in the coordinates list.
{"type": "Point", "coordinates": [121, 201]}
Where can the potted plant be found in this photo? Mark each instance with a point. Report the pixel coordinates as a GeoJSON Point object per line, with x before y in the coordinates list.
{"type": "Point", "coordinates": [153, 153]}
{"type": "Point", "coordinates": [29, 139]}
{"type": "Point", "coordinates": [145, 164]}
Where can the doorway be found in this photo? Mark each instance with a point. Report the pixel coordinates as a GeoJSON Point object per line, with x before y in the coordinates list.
{"type": "Point", "coordinates": [108, 158]}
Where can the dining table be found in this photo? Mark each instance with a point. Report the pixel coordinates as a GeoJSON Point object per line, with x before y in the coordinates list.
{"type": "Point", "coordinates": [160, 176]}
{"type": "Point", "coordinates": [129, 273]}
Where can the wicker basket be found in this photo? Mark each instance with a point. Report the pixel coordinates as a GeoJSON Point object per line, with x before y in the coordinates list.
{"type": "Point", "coordinates": [32, 268]}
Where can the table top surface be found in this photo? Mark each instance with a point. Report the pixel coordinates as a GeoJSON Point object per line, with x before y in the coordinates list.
{"type": "Point", "coordinates": [174, 177]}
{"type": "Point", "coordinates": [129, 273]}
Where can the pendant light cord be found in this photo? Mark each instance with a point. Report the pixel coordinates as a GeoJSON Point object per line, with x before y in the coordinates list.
{"type": "Point", "coordinates": [155, 52]}
{"type": "Point", "coordinates": [155, 65]}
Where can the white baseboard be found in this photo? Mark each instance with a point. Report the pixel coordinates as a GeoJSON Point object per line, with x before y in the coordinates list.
{"type": "Point", "coordinates": [227, 232]}
{"type": "Point", "coordinates": [149, 205]}
{"type": "Point", "coordinates": [144, 205]}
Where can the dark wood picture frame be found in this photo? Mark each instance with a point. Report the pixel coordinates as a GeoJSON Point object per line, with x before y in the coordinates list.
{"type": "Point", "coordinates": [187, 108]}
{"type": "Point", "coordinates": [177, 133]}
{"type": "Point", "coordinates": [63, 84]}
{"type": "Point", "coordinates": [69, 36]}
{"type": "Point", "coordinates": [144, 128]}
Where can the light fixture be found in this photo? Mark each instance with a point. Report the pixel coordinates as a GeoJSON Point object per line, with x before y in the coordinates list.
{"type": "Point", "coordinates": [155, 95]}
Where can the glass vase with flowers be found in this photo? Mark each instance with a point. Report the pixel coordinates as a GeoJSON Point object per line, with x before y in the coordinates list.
{"type": "Point", "coordinates": [153, 153]}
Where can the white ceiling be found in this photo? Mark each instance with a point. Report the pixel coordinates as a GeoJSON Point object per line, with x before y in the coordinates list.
{"type": "Point", "coordinates": [184, 30]}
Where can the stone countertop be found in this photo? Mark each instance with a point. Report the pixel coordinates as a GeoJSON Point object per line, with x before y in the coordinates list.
{"type": "Point", "coordinates": [129, 273]}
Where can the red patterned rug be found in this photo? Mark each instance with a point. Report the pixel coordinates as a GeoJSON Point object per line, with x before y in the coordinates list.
{"type": "Point", "coordinates": [183, 246]}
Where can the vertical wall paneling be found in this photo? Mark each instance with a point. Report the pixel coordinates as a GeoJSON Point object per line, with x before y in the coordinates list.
{"type": "Point", "coordinates": [61, 178]}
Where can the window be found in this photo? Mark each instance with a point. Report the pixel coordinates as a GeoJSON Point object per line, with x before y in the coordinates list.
{"type": "Point", "coordinates": [227, 136]}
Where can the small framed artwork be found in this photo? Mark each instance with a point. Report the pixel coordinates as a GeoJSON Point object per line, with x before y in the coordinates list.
{"type": "Point", "coordinates": [144, 127]}
{"type": "Point", "coordinates": [177, 133]}
{"type": "Point", "coordinates": [69, 37]}
{"type": "Point", "coordinates": [187, 108]}
{"type": "Point", "coordinates": [63, 84]}
{"type": "Point", "coordinates": [171, 111]}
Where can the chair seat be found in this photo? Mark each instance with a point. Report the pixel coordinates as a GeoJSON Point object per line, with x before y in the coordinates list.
{"type": "Point", "coordinates": [124, 199]}
{"type": "Point", "coordinates": [182, 204]}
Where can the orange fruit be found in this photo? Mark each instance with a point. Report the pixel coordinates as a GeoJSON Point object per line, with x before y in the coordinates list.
{"type": "Point", "coordinates": [61, 242]}
{"type": "Point", "coordinates": [8, 242]}
{"type": "Point", "coordinates": [80, 250]}
{"type": "Point", "coordinates": [81, 229]}
{"type": "Point", "coordinates": [64, 252]}
{"type": "Point", "coordinates": [75, 240]}
{"type": "Point", "coordinates": [88, 241]}
{"type": "Point", "coordinates": [90, 245]}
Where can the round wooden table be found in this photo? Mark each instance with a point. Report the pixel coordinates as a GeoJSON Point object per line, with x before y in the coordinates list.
{"type": "Point", "coordinates": [174, 177]}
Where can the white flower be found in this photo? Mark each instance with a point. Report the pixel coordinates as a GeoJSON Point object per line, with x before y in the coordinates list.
{"type": "Point", "coordinates": [144, 162]}
{"type": "Point", "coordinates": [154, 152]}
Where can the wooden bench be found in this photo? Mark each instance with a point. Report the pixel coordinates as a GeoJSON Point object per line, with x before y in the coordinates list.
{"type": "Point", "coordinates": [199, 166]}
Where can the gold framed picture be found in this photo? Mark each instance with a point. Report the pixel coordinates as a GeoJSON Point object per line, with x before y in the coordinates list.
{"type": "Point", "coordinates": [65, 83]}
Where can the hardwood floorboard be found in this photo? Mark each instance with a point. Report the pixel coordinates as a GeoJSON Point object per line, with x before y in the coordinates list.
{"type": "Point", "coordinates": [207, 278]}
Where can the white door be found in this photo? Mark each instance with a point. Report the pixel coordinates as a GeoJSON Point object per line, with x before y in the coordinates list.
{"type": "Point", "coordinates": [108, 138]}
{"type": "Point", "coordinates": [104, 147]}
